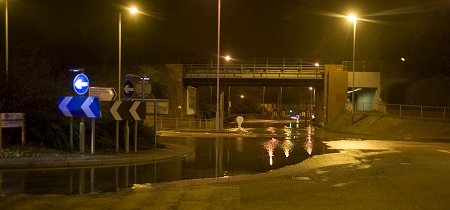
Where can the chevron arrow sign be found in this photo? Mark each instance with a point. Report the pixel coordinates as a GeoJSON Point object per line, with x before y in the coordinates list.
{"type": "Point", "coordinates": [79, 106]}
{"type": "Point", "coordinates": [128, 110]}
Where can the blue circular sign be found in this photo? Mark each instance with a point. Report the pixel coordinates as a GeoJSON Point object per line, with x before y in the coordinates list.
{"type": "Point", "coordinates": [128, 88]}
{"type": "Point", "coordinates": [80, 84]}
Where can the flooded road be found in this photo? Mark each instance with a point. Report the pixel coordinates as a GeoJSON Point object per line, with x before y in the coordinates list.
{"type": "Point", "coordinates": [276, 146]}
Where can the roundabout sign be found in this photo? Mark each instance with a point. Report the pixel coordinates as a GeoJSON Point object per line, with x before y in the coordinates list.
{"type": "Point", "coordinates": [80, 84]}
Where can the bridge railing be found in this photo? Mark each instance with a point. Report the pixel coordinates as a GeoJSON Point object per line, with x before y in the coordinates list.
{"type": "Point", "coordinates": [285, 71]}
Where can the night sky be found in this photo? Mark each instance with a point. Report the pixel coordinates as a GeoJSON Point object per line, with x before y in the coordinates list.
{"type": "Point", "coordinates": [85, 32]}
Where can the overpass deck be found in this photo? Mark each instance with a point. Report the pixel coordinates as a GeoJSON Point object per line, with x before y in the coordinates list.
{"type": "Point", "coordinates": [285, 74]}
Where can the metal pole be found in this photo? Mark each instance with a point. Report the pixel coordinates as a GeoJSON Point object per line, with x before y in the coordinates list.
{"type": "Point", "coordinates": [353, 75]}
{"type": "Point", "coordinates": [218, 63]}
{"type": "Point", "coordinates": [263, 101]}
{"type": "Point", "coordinates": [135, 135]}
{"type": "Point", "coordinates": [126, 136]}
{"type": "Point", "coordinates": [228, 105]}
{"type": "Point", "coordinates": [6, 41]}
{"type": "Point", "coordinates": [118, 80]}
{"type": "Point", "coordinates": [155, 109]}
{"type": "Point", "coordinates": [117, 136]}
{"type": "Point", "coordinates": [93, 136]}
{"type": "Point", "coordinates": [120, 54]}
{"type": "Point", "coordinates": [82, 135]}
{"type": "Point", "coordinates": [71, 133]}
{"type": "Point", "coordinates": [1, 140]}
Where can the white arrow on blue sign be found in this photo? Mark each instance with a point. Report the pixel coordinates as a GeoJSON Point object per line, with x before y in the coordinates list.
{"type": "Point", "coordinates": [80, 84]}
{"type": "Point", "coordinates": [79, 106]}
{"type": "Point", "coordinates": [128, 88]}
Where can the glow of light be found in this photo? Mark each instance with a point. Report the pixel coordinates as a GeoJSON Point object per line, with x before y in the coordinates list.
{"type": "Point", "coordinates": [227, 58]}
{"type": "Point", "coordinates": [357, 89]}
{"type": "Point", "coordinates": [310, 88]}
{"type": "Point", "coordinates": [242, 96]}
{"type": "Point", "coordinates": [133, 10]}
{"type": "Point", "coordinates": [287, 147]}
{"type": "Point", "coordinates": [310, 130]}
{"type": "Point", "coordinates": [316, 64]}
{"type": "Point", "coordinates": [271, 129]}
{"type": "Point", "coordinates": [308, 145]}
{"type": "Point", "coordinates": [403, 59]}
{"type": "Point", "coordinates": [352, 18]}
{"type": "Point", "coordinates": [270, 146]}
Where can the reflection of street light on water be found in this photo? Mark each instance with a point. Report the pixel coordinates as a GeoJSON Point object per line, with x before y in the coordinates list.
{"type": "Point", "coordinates": [270, 146]}
{"type": "Point", "coordinates": [287, 146]}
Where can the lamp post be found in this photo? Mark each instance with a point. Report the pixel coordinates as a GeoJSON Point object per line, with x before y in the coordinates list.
{"type": "Point", "coordinates": [132, 10]}
{"type": "Point", "coordinates": [6, 41]}
{"type": "Point", "coordinates": [218, 64]}
{"type": "Point", "coordinates": [353, 19]}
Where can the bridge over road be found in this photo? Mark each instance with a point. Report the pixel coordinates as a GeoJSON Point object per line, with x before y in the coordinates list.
{"type": "Point", "coordinates": [259, 72]}
{"type": "Point", "coordinates": [331, 82]}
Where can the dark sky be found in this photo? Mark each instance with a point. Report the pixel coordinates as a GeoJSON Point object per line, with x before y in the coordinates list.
{"type": "Point", "coordinates": [86, 31]}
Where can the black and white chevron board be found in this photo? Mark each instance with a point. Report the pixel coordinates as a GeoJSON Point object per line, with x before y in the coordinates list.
{"type": "Point", "coordinates": [128, 110]}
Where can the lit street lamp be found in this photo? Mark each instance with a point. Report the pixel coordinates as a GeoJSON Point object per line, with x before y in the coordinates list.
{"type": "Point", "coordinates": [132, 10]}
{"type": "Point", "coordinates": [353, 19]}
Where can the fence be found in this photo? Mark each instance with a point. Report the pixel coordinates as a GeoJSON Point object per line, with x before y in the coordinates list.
{"type": "Point", "coordinates": [163, 123]}
{"type": "Point", "coordinates": [424, 112]}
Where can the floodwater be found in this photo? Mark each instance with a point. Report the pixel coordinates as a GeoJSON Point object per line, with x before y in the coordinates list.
{"type": "Point", "coordinates": [277, 145]}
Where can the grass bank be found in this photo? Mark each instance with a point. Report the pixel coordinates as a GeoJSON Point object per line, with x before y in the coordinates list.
{"type": "Point", "coordinates": [391, 127]}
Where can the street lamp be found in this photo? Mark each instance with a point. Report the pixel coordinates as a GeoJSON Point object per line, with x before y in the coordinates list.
{"type": "Point", "coordinates": [353, 19]}
{"type": "Point", "coordinates": [132, 10]}
{"type": "Point", "coordinates": [218, 62]}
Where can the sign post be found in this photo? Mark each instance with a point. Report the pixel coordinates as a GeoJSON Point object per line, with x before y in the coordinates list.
{"type": "Point", "coordinates": [103, 93]}
{"type": "Point", "coordinates": [12, 120]}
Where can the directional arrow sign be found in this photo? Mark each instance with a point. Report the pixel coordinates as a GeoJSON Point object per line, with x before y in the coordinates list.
{"type": "Point", "coordinates": [128, 110]}
{"type": "Point", "coordinates": [128, 88]}
{"type": "Point", "coordinates": [79, 106]}
{"type": "Point", "coordinates": [103, 93]}
{"type": "Point", "coordinates": [80, 84]}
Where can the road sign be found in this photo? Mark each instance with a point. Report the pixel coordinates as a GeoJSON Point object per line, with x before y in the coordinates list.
{"type": "Point", "coordinates": [128, 110]}
{"type": "Point", "coordinates": [12, 120]}
{"type": "Point", "coordinates": [80, 84]}
{"type": "Point", "coordinates": [163, 106]}
{"type": "Point", "coordinates": [128, 88]}
{"type": "Point", "coordinates": [103, 93]}
{"type": "Point", "coordinates": [147, 88]}
{"type": "Point", "coordinates": [79, 106]}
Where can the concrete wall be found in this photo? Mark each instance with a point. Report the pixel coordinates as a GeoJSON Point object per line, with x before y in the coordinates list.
{"type": "Point", "coordinates": [176, 95]}
{"type": "Point", "coordinates": [335, 92]}
{"type": "Point", "coordinates": [370, 83]}
{"type": "Point", "coordinates": [364, 79]}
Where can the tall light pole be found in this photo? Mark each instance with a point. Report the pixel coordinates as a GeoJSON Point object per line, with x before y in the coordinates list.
{"type": "Point", "coordinates": [353, 19]}
{"type": "Point", "coordinates": [218, 67]}
{"type": "Point", "coordinates": [132, 10]}
{"type": "Point", "coordinates": [6, 41]}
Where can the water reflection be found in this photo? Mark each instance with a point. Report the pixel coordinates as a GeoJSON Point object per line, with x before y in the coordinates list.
{"type": "Point", "coordinates": [308, 144]}
{"type": "Point", "coordinates": [212, 157]}
{"type": "Point", "coordinates": [287, 146]}
{"type": "Point", "coordinates": [270, 146]}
